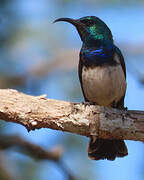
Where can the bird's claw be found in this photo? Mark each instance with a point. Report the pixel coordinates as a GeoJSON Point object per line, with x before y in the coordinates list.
{"type": "Point", "coordinates": [88, 103]}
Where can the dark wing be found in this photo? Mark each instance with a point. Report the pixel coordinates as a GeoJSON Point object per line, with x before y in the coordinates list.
{"type": "Point", "coordinates": [81, 60]}
{"type": "Point", "coordinates": [121, 60]}
{"type": "Point", "coordinates": [120, 104]}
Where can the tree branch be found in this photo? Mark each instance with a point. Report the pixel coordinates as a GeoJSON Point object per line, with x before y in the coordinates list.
{"type": "Point", "coordinates": [39, 112]}
{"type": "Point", "coordinates": [35, 151]}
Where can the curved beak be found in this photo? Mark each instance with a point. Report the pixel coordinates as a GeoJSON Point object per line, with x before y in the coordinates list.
{"type": "Point", "coordinates": [75, 22]}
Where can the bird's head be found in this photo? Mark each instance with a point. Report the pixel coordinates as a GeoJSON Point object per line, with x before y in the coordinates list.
{"type": "Point", "coordinates": [90, 28]}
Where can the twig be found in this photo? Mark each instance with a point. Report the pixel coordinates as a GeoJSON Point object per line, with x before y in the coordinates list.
{"type": "Point", "coordinates": [34, 151]}
{"type": "Point", "coordinates": [7, 141]}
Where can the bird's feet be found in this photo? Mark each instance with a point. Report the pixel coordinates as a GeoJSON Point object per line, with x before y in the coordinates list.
{"type": "Point", "coordinates": [125, 108]}
{"type": "Point", "coordinates": [88, 103]}
{"type": "Point", "coordinates": [120, 107]}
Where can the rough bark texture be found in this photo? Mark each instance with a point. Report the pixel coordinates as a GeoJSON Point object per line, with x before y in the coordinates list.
{"type": "Point", "coordinates": [39, 112]}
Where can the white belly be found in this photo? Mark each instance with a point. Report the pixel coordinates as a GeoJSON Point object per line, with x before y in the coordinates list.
{"type": "Point", "coordinates": [103, 85]}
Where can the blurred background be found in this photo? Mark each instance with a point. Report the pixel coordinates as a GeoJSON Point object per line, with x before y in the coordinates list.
{"type": "Point", "coordinates": [38, 57]}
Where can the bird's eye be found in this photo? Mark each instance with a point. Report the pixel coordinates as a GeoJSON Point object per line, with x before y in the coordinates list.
{"type": "Point", "coordinates": [87, 22]}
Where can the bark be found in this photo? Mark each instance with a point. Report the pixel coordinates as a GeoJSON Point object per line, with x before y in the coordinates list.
{"type": "Point", "coordinates": [87, 120]}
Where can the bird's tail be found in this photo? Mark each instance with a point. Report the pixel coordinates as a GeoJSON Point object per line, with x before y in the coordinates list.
{"type": "Point", "coordinates": [106, 149]}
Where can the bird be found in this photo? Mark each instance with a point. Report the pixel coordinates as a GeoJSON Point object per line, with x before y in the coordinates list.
{"type": "Point", "coordinates": [102, 75]}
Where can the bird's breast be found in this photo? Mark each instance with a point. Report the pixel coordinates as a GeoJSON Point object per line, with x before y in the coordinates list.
{"type": "Point", "coordinates": [103, 84]}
